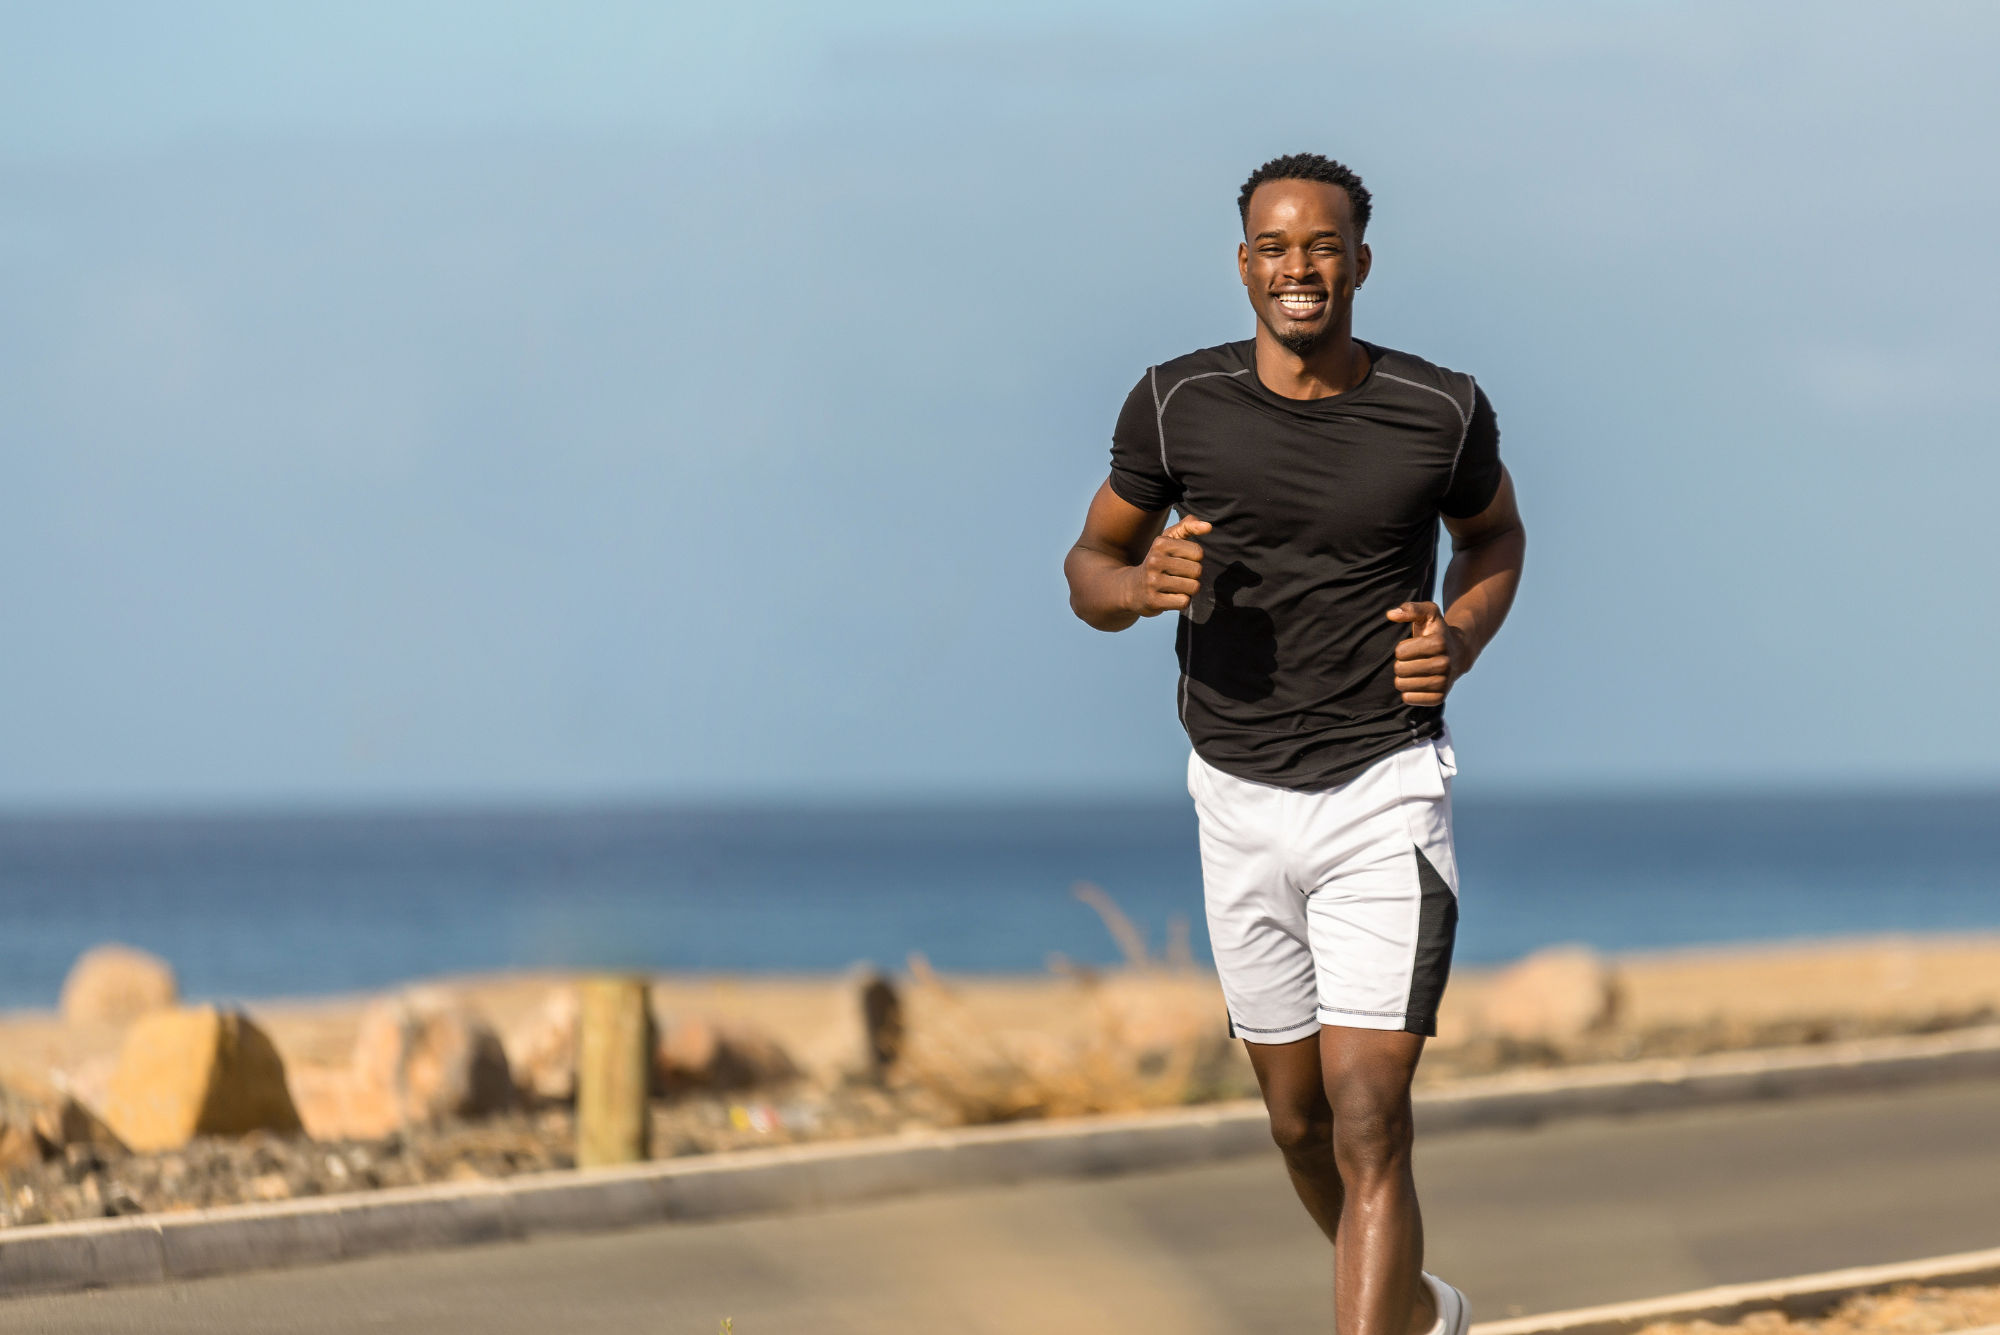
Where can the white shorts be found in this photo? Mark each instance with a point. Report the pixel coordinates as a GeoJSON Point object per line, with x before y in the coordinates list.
{"type": "Point", "coordinates": [1333, 907]}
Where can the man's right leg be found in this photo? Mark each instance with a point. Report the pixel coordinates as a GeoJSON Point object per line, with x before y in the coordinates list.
{"type": "Point", "coordinates": [1257, 927]}
{"type": "Point", "coordinates": [1294, 1090]}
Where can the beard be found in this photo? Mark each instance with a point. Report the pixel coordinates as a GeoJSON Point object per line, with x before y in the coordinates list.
{"type": "Point", "coordinates": [1300, 341]}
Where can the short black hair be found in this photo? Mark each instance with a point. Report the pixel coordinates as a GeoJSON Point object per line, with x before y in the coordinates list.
{"type": "Point", "coordinates": [1308, 167]}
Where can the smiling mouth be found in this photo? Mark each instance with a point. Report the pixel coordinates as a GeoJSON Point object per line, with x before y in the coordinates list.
{"type": "Point", "coordinates": [1301, 305]}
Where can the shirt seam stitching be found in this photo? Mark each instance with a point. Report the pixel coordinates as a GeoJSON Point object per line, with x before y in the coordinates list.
{"type": "Point", "coordinates": [1160, 406]}
{"type": "Point", "coordinates": [1464, 417]}
{"type": "Point", "coordinates": [1159, 419]}
{"type": "Point", "coordinates": [1160, 429]}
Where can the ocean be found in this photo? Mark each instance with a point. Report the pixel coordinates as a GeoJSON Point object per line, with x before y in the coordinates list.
{"type": "Point", "coordinates": [260, 906]}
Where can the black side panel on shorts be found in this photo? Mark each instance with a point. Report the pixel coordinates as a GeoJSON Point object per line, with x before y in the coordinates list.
{"type": "Point", "coordinates": [1437, 930]}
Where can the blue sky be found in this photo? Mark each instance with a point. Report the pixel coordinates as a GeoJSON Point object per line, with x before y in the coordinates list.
{"type": "Point", "coordinates": [485, 402]}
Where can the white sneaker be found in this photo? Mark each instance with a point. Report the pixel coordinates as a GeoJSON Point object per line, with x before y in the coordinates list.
{"type": "Point", "coordinates": [1454, 1313]}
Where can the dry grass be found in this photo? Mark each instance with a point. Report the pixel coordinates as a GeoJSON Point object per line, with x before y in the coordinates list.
{"type": "Point", "coordinates": [1145, 1037]}
{"type": "Point", "coordinates": [1150, 1035]}
{"type": "Point", "coordinates": [1910, 1310]}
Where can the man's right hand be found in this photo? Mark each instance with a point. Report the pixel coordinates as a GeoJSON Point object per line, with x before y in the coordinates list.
{"type": "Point", "coordinates": [1170, 576]}
{"type": "Point", "coordinates": [1124, 567]}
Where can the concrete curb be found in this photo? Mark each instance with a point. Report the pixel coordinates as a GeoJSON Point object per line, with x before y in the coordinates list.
{"type": "Point", "coordinates": [1526, 1097]}
{"type": "Point", "coordinates": [152, 1248]}
{"type": "Point", "coordinates": [1802, 1295]}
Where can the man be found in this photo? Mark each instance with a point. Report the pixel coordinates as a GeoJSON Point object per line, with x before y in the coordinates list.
{"type": "Point", "coordinates": [1310, 470]}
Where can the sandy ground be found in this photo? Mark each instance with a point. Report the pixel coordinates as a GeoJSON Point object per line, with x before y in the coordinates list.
{"type": "Point", "coordinates": [1913, 978]}
{"type": "Point", "coordinates": [1735, 996]}
{"type": "Point", "coordinates": [1908, 1311]}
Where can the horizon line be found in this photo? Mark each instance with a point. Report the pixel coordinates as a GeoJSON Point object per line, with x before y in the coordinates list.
{"type": "Point", "coordinates": [891, 802]}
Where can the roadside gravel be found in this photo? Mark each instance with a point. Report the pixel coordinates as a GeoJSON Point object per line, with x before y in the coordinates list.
{"type": "Point", "coordinates": [1914, 1310]}
{"type": "Point", "coordinates": [92, 1181]}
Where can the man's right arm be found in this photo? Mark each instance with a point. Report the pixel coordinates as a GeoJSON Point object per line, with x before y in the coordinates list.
{"type": "Point", "coordinates": [1124, 567]}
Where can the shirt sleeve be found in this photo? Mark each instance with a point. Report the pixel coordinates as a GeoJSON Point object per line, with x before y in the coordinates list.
{"type": "Point", "coordinates": [1138, 472]}
{"type": "Point", "coordinates": [1476, 480]}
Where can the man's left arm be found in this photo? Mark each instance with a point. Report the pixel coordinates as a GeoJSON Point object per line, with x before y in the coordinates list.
{"type": "Point", "coordinates": [1486, 554]}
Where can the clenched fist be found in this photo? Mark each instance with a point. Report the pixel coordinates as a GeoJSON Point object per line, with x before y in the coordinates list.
{"type": "Point", "coordinates": [1169, 577]}
{"type": "Point", "coordinates": [1436, 654]}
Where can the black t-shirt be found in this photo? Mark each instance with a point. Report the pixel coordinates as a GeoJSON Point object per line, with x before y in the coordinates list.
{"type": "Point", "coordinates": [1326, 516]}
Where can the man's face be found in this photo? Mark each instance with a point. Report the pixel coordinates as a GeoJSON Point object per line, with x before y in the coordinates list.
{"type": "Point", "coordinates": [1301, 260]}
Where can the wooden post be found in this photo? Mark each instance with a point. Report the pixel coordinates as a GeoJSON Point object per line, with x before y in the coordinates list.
{"type": "Point", "coordinates": [613, 1072]}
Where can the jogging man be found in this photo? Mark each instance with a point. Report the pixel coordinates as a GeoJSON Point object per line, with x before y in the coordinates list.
{"type": "Point", "coordinates": [1310, 470]}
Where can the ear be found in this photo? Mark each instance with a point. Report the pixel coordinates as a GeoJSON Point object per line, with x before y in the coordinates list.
{"type": "Point", "coordinates": [1243, 262]}
{"type": "Point", "coordinates": [1364, 262]}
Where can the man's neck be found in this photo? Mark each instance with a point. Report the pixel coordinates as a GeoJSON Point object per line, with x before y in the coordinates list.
{"type": "Point", "coordinates": [1332, 366]}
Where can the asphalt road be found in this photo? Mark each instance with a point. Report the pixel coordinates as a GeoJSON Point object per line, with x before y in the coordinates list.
{"type": "Point", "coordinates": [1525, 1221]}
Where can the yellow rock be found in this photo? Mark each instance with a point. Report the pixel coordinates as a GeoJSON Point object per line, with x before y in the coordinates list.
{"type": "Point", "coordinates": [1552, 995]}
{"type": "Point", "coordinates": [430, 1057]}
{"type": "Point", "coordinates": [197, 1072]}
{"type": "Point", "coordinates": [37, 1121]}
{"type": "Point", "coordinates": [20, 1144]}
{"type": "Point", "coordinates": [114, 984]}
{"type": "Point", "coordinates": [541, 1053]}
{"type": "Point", "coordinates": [64, 1120]}
{"type": "Point", "coordinates": [338, 1103]}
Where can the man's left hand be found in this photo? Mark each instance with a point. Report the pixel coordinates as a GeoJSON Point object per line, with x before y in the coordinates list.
{"type": "Point", "coordinates": [1436, 654]}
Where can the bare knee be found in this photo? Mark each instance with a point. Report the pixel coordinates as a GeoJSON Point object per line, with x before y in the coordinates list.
{"type": "Point", "coordinates": [1294, 1089]}
{"type": "Point", "coordinates": [1372, 1139]}
{"type": "Point", "coordinates": [1301, 1131]}
{"type": "Point", "coordinates": [1368, 1076]}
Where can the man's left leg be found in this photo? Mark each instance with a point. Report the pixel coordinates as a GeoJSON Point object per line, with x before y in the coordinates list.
{"type": "Point", "coordinates": [1379, 1247]}
{"type": "Point", "coordinates": [1382, 915]}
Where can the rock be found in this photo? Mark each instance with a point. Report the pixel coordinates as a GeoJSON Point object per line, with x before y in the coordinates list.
{"type": "Point", "coordinates": [66, 1121]}
{"type": "Point", "coordinates": [419, 1059]}
{"type": "Point", "coordinates": [1552, 995]}
{"type": "Point", "coordinates": [114, 984]}
{"type": "Point", "coordinates": [542, 1052]}
{"type": "Point", "coordinates": [268, 1187]}
{"type": "Point", "coordinates": [89, 1081]}
{"type": "Point", "coordinates": [1457, 1019]}
{"type": "Point", "coordinates": [39, 1121]}
{"type": "Point", "coordinates": [697, 1052]}
{"type": "Point", "coordinates": [334, 1103]}
{"type": "Point", "coordinates": [431, 1058]}
{"type": "Point", "coordinates": [21, 1141]}
{"type": "Point", "coordinates": [1135, 1038]}
{"type": "Point", "coordinates": [197, 1072]}
{"type": "Point", "coordinates": [706, 1053]}
{"type": "Point", "coordinates": [20, 1147]}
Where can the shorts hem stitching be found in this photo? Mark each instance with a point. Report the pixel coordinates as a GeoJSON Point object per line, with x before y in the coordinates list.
{"type": "Point", "coordinates": [1281, 1029]}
